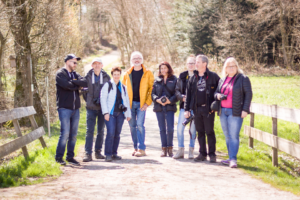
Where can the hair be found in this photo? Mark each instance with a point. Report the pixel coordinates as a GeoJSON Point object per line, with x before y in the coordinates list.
{"type": "Point", "coordinates": [136, 53]}
{"type": "Point", "coordinates": [203, 58]}
{"type": "Point", "coordinates": [229, 60]}
{"type": "Point", "coordinates": [170, 70]}
{"type": "Point", "coordinates": [191, 56]}
{"type": "Point", "coordinates": [116, 69]}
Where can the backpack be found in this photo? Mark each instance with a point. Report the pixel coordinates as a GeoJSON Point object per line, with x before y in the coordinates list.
{"type": "Point", "coordinates": [110, 87]}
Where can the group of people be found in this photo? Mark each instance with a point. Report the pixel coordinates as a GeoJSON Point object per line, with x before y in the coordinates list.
{"type": "Point", "coordinates": [111, 101]}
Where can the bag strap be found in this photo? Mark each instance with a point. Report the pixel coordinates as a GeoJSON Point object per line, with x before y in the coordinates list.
{"type": "Point", "coordinates": [229, 83]}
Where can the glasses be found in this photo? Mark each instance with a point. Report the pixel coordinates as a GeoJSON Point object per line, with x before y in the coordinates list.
{"type": "Point", "coordinates": [75, 63]}
{"type": "Point", "coordinates": [231, 67]}
{"type": "Point", "coordinates": [136, 58]}
{"type": "Point", "coordinates": [190, 63]}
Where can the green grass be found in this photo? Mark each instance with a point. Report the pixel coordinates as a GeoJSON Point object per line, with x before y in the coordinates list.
{"type": "Point", "coordinates": [285, 92]}
{"type": "Point", "coordinates": [41, 165]}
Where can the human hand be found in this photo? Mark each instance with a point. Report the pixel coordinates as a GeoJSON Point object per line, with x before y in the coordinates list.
{"type": "Point", "coordinates": [128, 118]}
{"type": "Point", "coordinates": [184, 98]}
{"type": "Point", "coordinates": [159, 101]}
{"type": "Point", "coordinates": [219, 96]}
{"type": "Point", "coordinates": [144, 108]}
{"type": "Point", "coordinates": [187, 114]}
{"type": "Point", "coordinates": [106, 117]}
{"type": "Point", "coordinates": [244, 114]}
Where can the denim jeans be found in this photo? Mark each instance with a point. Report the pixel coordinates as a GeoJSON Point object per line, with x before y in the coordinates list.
{"type": "Point", "coordinates": [137, 127]}
{"type": "Point", "coordinates": [180, 130]}
{"type": "Point", "coordinates": [231, 126]}
{"type": "Point", "coordinates": [114, 127]}
{"type": "Point", "coordinates": [69, 120]}
{"type": "Point", "coordinates": [166, 127]}
{"type": "Point", "coordinates": [91, 116]}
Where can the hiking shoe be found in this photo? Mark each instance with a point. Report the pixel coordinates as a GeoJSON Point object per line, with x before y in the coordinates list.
{"type": "Point", "coordinates": [87, 158]}
{"type": "Point", "coordinates": [191, 153]}
{"type": "Point", "coordinates": [170, 151]}
{"type": "Point", "coordinates": [200, 158]}
{"type": "Point", "coordinates": [233, 164]}
{"type": "Point", "coordinates": [108, 159]}
{"type": "Point", "coordinates": [180, 153]}
{"type": "Point", "coordinates": [116, 157]}
{"type": "Point", "coordinates": [98, 155]}
{"type": "Point", "coordinates": [140, 153]}
{"type": "Point", "coordinates": [60, 161]}
{"type": "Point", "coordinates": [213, 159]}
{"type": "Point", "coordinates": [73, 161]}
{"type": "Point", "coordinates": [225, 162]}
{"type": "Point", "coordinates": [163, 152]}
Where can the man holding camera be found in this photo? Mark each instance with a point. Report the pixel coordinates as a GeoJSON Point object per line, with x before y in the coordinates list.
{"type": "Point", "coordinates": [199, 97]}
{"type": "Point", "coordinates": [94, 81]}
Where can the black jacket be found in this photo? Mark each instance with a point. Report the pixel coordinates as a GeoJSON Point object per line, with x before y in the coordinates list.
{"type": "Point", "coordinates": [212, 80]}
{"type": "Point", "coordinates": [93, 89]}
{"type": "Point", "coordinates": [170, 93]}
{"type": "Point", "coordinates": [67, 94]}
{"type": "Point", "coordinates": [181, 87]}
{"type": "Point", "coordinates": [241, 94]}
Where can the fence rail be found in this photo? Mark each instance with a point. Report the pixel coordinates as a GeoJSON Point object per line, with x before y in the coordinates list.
{"type": "Point", "coordinates": [277, 143]}
{"type": "Point", "coordinates": [21, 141]}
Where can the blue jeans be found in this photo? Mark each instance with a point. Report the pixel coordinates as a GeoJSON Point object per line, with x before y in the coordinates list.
{"type": "Point", "coordinates": [91, 116]}
{"type": "Point", "coordinates": [180, 130]}
{"type": "Point", "coordinates": [69, 120]}
{"type": "Point", "coordinates": [231, 126]}
{"type": "Point", "coordinates": [137, 127]}
{"type": "Point", "coordinates": [166, 127]}
{"type": "Point", "coordinates": [114, 127]}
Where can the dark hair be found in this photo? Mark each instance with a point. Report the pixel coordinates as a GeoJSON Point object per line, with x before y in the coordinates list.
{"type": "Point", "coordinates": [170, 72]}
{"type": "Point", "coordinates": [114, 69]}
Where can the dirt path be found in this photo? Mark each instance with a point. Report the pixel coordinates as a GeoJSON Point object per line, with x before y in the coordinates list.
{"type": "Point", "coordinates": [150, 177]}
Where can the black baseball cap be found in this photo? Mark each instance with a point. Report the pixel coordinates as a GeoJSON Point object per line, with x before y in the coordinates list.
{"type": "Point", "coordinates": [71, 56]}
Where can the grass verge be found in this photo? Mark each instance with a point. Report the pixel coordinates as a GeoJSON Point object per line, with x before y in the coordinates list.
{"type": "Point", "coordinates": [41, 165]}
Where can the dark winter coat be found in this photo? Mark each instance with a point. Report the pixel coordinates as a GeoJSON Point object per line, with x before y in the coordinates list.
{"type": "Point", "coordinates": [212, 80]}
{"type": "Point", "coordinates": [169, 91]}
{"type": "Point", "coordinates": [93, 89]}
{"type": "Point", "coordinates": [241, 94]}
{"type": "Point", "coordinates": [181, 87]}
{"type": "Point", "coordinates": [67, 94]}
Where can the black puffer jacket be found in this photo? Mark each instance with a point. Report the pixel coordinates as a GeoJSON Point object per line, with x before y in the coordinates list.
{"type": "Point", "coordinates": [170, 93]}
{"type": "Point", "coordinates": [241, 94]}
{"type": "Point", "coordinates": [212, 80]}
{"type": "Point", "coordinates": [181, 87]}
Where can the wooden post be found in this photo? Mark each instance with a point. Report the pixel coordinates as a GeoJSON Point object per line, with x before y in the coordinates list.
{"type": "Point", "coordinates": [35, 126]}
{"type": "Point", "coordinates": [250, 141]}
{"type": "Point", "coordinates": [19, 133]}
{"type": "Point", "coordinates": [274, 131]}
{"type": "Point", "coordinates": [48, 114]}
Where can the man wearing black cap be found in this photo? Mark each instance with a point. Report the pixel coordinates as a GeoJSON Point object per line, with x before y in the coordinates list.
{"type": "Point", "coordinates": [68, 104]}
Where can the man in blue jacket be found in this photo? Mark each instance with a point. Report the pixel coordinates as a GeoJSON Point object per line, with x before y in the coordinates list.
{"type": "Point", "coordinates": [68, 104]}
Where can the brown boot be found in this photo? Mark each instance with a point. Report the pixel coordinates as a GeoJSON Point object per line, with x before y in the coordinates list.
{"type": "Point", "coordinates": [163, 152]}
{"type": "Point", "coordinates": [170, 151]}
{"type": "Point", "coordinates": [135, 150]}
{"type": "Point", "coordinates": [140, 153]}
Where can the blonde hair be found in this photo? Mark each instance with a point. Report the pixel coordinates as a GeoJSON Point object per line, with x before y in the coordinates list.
{"type": "Point", "coordinates": [190, 56]}
{"type": "Point", "coordinates": [231, 60]}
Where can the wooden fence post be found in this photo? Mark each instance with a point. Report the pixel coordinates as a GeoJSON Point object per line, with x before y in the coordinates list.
{"type": "Point", "coordinates": [250, 141]}
{"type": "Point", "coordinates": [35, 126]}
{"type": "Point", "coordinates": [274, 131]}
{"type": "Point", "coordinates": [19, 133]}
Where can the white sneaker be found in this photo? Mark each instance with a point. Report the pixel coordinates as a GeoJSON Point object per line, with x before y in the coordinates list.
{"type": "Point", "coordinates": [233, 164]}
{"type": "Point", "coordinates": [180, 153]}
{"type": "Point", "coordinates": [191, 153]}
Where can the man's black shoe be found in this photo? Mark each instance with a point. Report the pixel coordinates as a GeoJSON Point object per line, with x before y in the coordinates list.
{"type": "Point", "coordinates": [212, 159]}
{"type": "Point", "coordinates": [87, 158]}
{"type": "Point", "coordinates": [116, 157]}
{"type": "Point", "coordinates": [60, 161]}
{"type": "Point", "coordinates": [108, 159]}
{"type": "Point", "coordinates": [200, 158]}
{"type": "Point", "coordinates": [72, 161]}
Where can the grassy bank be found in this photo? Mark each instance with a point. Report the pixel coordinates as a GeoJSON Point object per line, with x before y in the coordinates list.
{"type": "Point", "coordinates": [41, 165]}
{"type": "Point", "coordinates": [283, 91]}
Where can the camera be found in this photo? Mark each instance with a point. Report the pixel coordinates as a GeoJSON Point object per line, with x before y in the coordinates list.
{"type": "Point", "coordinates": [188, 120]}
{"type": "Point", "coordinates": [223, 97]}
{"type": "Point", "coordinates": [163, 99]}
{"type": "Point", "coordinates": [96, 101]}
{"type": "Point", "coordinates": [122, 108]}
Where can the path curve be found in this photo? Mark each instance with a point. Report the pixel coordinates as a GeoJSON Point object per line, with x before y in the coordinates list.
{"type": "Point", "coordinates": [150, 177]}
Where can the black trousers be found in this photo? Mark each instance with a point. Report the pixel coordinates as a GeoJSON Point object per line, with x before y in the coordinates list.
{"type": "Point", "coordinates": [204, 123]}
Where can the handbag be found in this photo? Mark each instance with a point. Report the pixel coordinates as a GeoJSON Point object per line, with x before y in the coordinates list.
{"type": "Point", "coordinates": [215, 106]}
